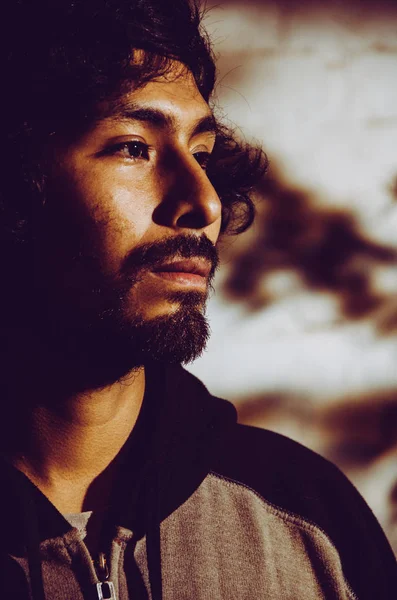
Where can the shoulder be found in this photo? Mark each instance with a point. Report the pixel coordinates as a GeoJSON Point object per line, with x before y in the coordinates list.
{"type": "Point", "coordinates": [301, 484]}
{"type": "Point", "coordinates": [275, 465]}
{"type": "Point", "coordinates": [290, 476]}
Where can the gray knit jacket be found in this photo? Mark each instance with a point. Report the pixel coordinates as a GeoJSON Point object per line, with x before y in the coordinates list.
{"type": "Point", "coordinates": [204, 509]}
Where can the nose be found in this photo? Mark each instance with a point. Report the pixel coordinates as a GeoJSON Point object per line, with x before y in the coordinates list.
{"type": "Point", "coordinates": [189, 200]}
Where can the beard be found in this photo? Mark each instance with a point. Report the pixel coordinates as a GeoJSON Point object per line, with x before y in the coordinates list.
{"type": "Point", "coordinates": [100, 338]}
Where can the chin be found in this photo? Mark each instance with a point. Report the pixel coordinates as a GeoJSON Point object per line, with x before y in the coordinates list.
{"type": "Point", "coordinates": [151, 313]}
{"type": "Point", "coordinates": [177, 331]}
{"type": "Point", "coordinates": [179, 337]}
{"type": "Point", "coordinates": [152, 308]}
{"type": "Point", "coordinates": [105, 349]}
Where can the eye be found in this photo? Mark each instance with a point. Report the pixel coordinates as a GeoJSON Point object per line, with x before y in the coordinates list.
{"type": "Point", "coordinates": [133, 150]}
{"type": "Point", "coordinates": [203, 158]}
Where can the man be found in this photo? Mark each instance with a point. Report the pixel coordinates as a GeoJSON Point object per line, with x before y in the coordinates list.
{"type": "Point", "coordinates": [121, 476]}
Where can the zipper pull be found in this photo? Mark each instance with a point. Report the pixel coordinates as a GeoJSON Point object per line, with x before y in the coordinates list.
{"type": "Point", "coordinates": [105, 589]}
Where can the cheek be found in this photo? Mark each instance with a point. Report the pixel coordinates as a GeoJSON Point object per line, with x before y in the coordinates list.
{"type": "Point", "coordinates": [215, 230]}
{"type": "Point", "coordinates": [104, 211]}
{"type": "Point", "coordinates": [121, 216]}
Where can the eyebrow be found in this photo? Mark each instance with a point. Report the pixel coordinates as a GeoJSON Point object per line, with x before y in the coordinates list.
{"type": "Point", "coordinates": [160, 119]}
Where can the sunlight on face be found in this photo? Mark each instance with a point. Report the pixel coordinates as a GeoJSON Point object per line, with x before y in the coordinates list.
{"type": "Point", "coordinates": [138, 177]}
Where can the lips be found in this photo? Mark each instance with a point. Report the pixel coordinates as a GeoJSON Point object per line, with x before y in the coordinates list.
{"type": "Point", "coordinates": [190, 266]}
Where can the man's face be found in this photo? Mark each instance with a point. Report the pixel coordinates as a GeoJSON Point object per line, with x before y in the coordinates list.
{"type": "Point", "coordinates": [132, 220]}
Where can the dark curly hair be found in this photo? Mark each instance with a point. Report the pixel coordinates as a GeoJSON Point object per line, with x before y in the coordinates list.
{"type": "Point", "coordinates": [60, 59]}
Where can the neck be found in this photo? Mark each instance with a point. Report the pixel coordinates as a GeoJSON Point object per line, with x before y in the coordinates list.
{"type": "Point", "coordinates": [68, 445]}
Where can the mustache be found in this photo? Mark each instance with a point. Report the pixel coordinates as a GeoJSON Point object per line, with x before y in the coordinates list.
{"type": "Point", "coordinates": [152, 255]}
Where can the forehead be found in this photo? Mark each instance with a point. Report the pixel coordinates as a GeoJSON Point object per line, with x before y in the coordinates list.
{"type": "Point", "coordinates": [172, 100]}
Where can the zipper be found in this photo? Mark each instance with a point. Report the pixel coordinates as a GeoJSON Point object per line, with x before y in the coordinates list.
{"type": "Point", "coordinates": [104, 588]}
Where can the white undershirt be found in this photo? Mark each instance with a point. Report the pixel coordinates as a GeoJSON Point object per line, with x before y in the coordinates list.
{"type": "Point", "coordinates": [79, 521]}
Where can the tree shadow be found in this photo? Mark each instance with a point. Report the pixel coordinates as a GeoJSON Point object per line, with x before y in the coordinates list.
{"type": "Point", "coordinates": [353, 433]}
{"type": "Point", "coordinates": [323, 246]}
{"type": "Point", "coordinates": [364, 429]}
{"type": "Point", "coordinates": [387, 7]}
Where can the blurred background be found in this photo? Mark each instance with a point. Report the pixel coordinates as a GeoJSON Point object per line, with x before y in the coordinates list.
{"type": "Point", "coordinates": [304, 318]}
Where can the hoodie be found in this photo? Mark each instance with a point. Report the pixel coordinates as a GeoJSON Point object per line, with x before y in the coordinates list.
{"type": "Point", "coordinates": [203, 508]}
